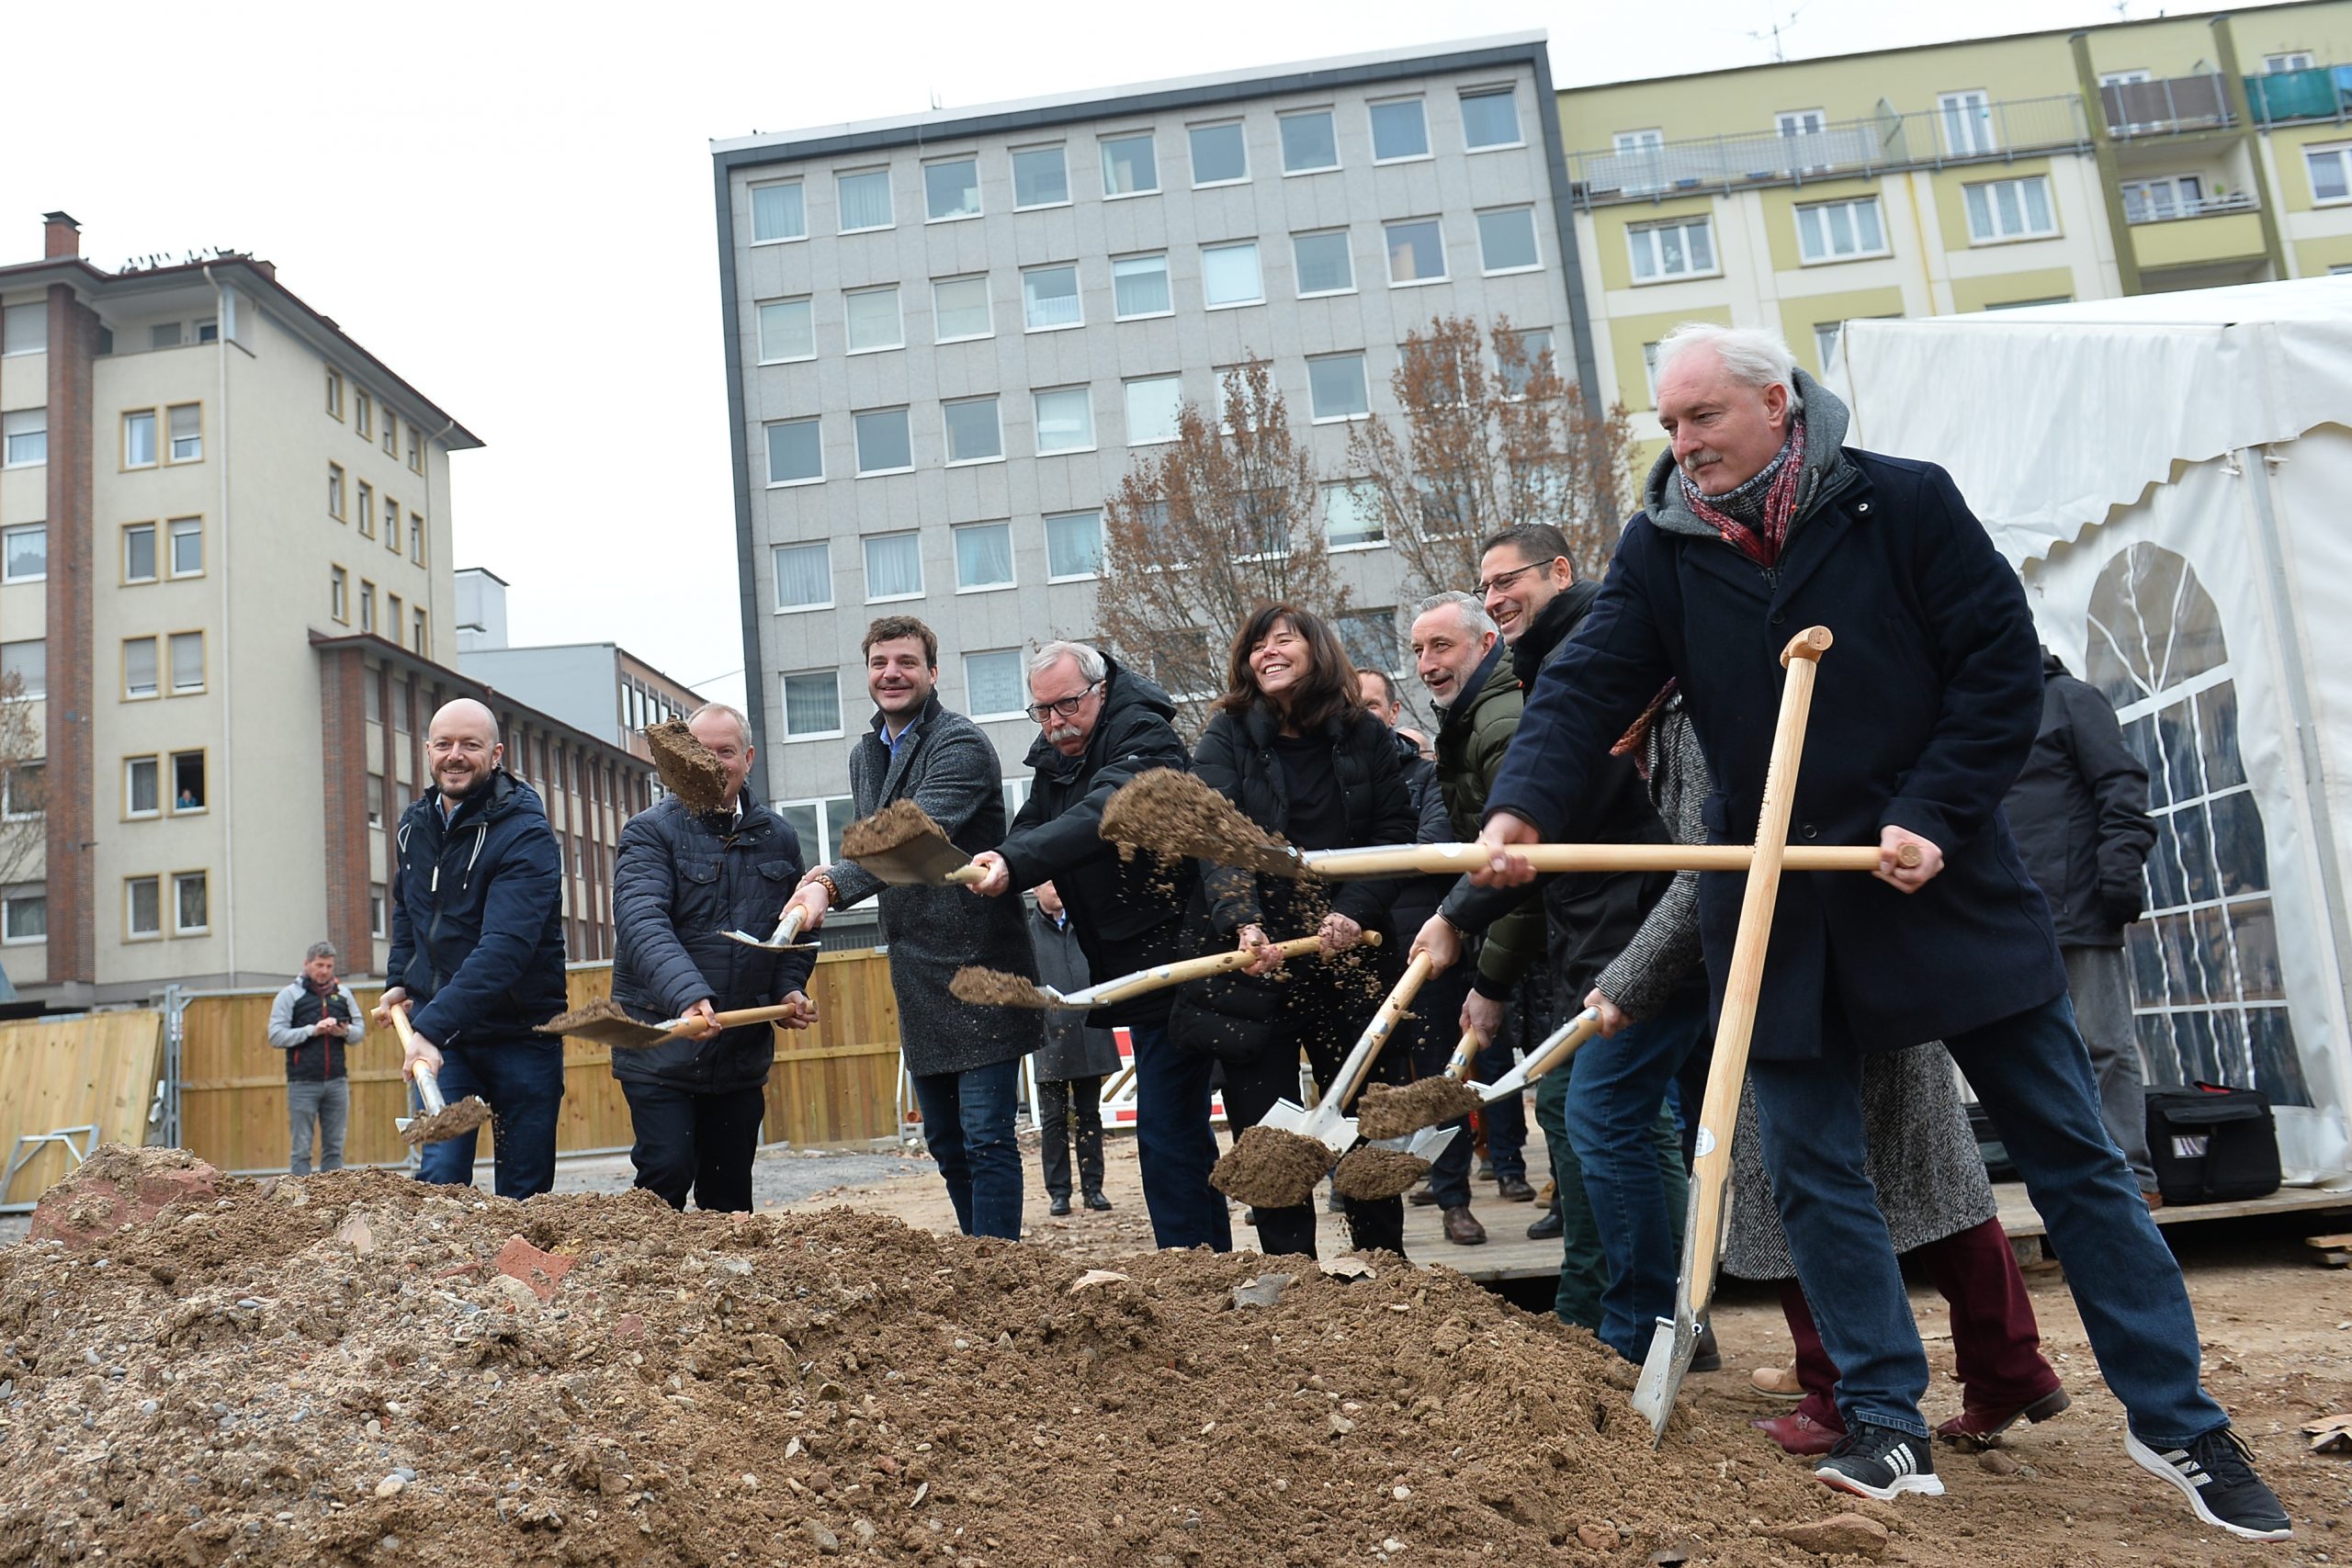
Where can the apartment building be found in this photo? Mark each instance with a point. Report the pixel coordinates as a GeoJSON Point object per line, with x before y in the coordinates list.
{"type": "Point", "coordinates": [225, 549]}
{"type": "Point", "coordinates": [948, 337]}
{"type": "Point", "coordinates": [2176, 152]}
{"type": "Point", "coordinates": [599, 687]}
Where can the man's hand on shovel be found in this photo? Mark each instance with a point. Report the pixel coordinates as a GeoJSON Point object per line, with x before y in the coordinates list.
{"type": "Point", "coordinates": [1903, 873]}
{"type": "Point", "coordinates": [1613, 1017]}
{"type": "Point", "coordinates": [999, 878]}
{"type": "Point", "coordinates": [1440, 940]}
{"type": "Point", "coordinates": [803, 1013]}
{"type": "Point", "coordinates": [1502, 832]}
{"type": "Point", "coordinates": [811, 899]}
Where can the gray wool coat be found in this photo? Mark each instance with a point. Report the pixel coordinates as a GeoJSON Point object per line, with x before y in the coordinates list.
{"type": "Point", "coordinates": [1074, 1049]}
{"type": "Point", "coordinates": [946, 765]}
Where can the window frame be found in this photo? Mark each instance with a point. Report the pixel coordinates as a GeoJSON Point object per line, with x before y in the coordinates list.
{"type": "Point", "coordinates": [169, 799]}
{"type": "Point", "coordinates": [171, 440]}
{"type": "Point", "coordinates": [1493, 90]}
{"type": "Point", "coordinates": [1831, 258]}
{"type": "Point", "coordinates": [1535, 240]}
{"type": "Point", "coordinates": [170, 678]}
{"type": "Point", "coordinates": [339, 595]}
{"type": "Point", "coordinates": [1166, 284]}
{"type": "Point", "coordinates": [1379, 538]}
{"type": "Point", "coordinates": [29, 892]}
{"type": "Point", "coordinates": [898, 315]}
{"type": "Point", "coordinates": [364, 504]}
{"type": "Point", "coordinates": [1330, 116]}
{"type": "Point", "coordinates": [1363, 378]}
{"type": "Point", "coordinates": [1992, 210]}
{"type": "Point", "coordinates": [979, 203]}
{"type": "Point", "coordinates": [1257, 264]}
{"type": "Point", "coordinates": [1240, 128]}
{"type": "Point", "coordinates": [1020, 684]}
{"type": "Point", "coordinates": [10, 436]}
{"type": "Point", "coordinates": [776, 579]}
{"type": "Point", "coordinates": [38, 766]}
{"type": "Point", "coordinates": [1085, 390]}
{"type": "Point", "coordinates": [751, 209]}
{"type": "Point", "coordinates": [1046, 522]}
{"type": "Point", "coordinates": [760, 309]}
{"type": "Point", "coordinates": [1147, 135]}
{"type": "Point", "coordinates": [338, 493]}
{"type": "Point", "coordinates": [1298, 272]}
{"type": "Point", "coordinates": [30, 310]}
{"type": "Point", "coordinates": [1371, 125]}
{"type": "Point", "coordinates": [988, 307]}
{"type": "Point", "coordinates": [131, 812]}
{"type": "Point", "coordinates": [889, 190]}
{"type": "Point", "coordinates": [1076, 298]}
{"type": "Point", "coordinates": [1013, 166]}
{"type": "Point", "coordinates": [866, 566]}
{"type": "Point", "coordinates": [334, 392]}
{"type": "Point", "coordinates": [1714, 252]}
{"type": "Point", "coordinates": [2341, 151]}
{"type": "Point", "coordinates": [1388, 251]}
{"type": "Point", "coordinates": [131, 419]}
{"type": "Point", "coordinates": [155, 556]}
{"type": "Point", "coordinates": [155, 645]}
{"type": "Point", "coordinates": [1977, 102]}
{"type": "Point", "coordinates": [41, 694]}
{"type": "Point", "coordinates": [857, 444]}
{"type": "Point", "coordinates": [767, 450]}
{"type": "Point", "coordinates": [15, 528]}
{"type": "Point", "coordinates": [954, 540]}
{"type": "Point", "coordinates": [131, 931]}
{"type": "Point", "coordinates": [1127, 408]}
{"type": "Point", "coordinates": [947, 434]}
{"type": "Point", "coordinates": [784, 706]}
{"type": "Point", "coordinates": [204, 877]}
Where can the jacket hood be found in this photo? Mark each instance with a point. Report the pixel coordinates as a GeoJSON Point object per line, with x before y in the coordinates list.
{"type": "Point", "coordinates": [1553, 624]}
{"type": "Point", "coordinates": [2052, 666]}
{"type": "Point", "coordinates": [1494, 676]}
{"type": "Point", "coordinates": [1125, 693]}
{"type": "Point", "coordinates": [1825, 469]}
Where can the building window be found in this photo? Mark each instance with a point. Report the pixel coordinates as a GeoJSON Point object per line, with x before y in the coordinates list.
{"type": "Point", "coordinates": [391, 435]}
{"type": "Point", "coordinates": [142, 906]}
{"type": "Point", "coordinates": [1684, 249]}
{"type": "Point", "coordinates": [186, 427]}
{"type": "Point", "coordinates": [139, 439]}
{"type": "Point", "coordinates": [973, 435]}
{"type": "Point", "coordinates": [140, 794]}
{"type": "Point", "coordinates": [379, 922]}
{"type": "Point", "coordinates": [366, 607]}
{"type": "Point", "coordinates": [1220, 153]}
{"type": "Point", "coordinates": [1351, 515]}
{"type": "Point", "coordinates": [23, 916]}
{"type": "Point", "coordinates": [950, 189]}
{"type": "Point", "coordinates": [367, 510]}
{"type": "Point", "coordinates": [415, 449]}
{"type": "Point", "coordinates": [191, 910]}
{"type": "Point", "coordinates": [2010, 210]}
{"type": "Point", "coordinates": [778, 212]}
{"type": "Point", "coordinates": [24, 438]}
{"type": "Point", "coordinates": [864, 199]}
{"type": "Point", "coordinates": [983, 557]}
{"type": "Point", "coordinates": [1130, 166]}
{"type": "Point", "coordinates": [375, 800]}
{"type": "Point", "coordinates": [164, 334]}
{"type": "Point", "coordinates": [187, 662]}
{"type": "Point", "coordinates": [1041, 177]}
{"type": "Point", "coordinates": [1139, 287]}
{"type": "Point", "coordinates": [788, 330]}
{"type": "Point", "coordinates": [873, 320]}
{"type": "Point", "coordinates": [1309, 143]}
{"type": "Point", "coordinates": [1335, 388]}
{"type": "Point", "coordinates": [1323, 263]}
{"type": "Point", "coordinates": [395, 621]}
{"type": "Point", "coordinates": [1369, 637]}
{"type": "Point", "coordinates": [334, 491]}
{"type": "Point", "coordinates": [24, 328]}
{"type": "Point", "coordinates": [1399, 129]}
{"type": "Point", "coordinates": [812, 704]}
{"type": "Point", "coordinates": [1506, 239]}
{"type": "Point", "coordinates": [1416, 251]}
{"type": "Point", "coordinates": [1626, 143]}
{"type": "Point", "coordinates": [139, 553]}
{"type": "Point", "coordinates": [187, 781]}
{"type": "Point", "coordinates": [893, 567]}
{"type": "Point", "coordinates": [27, 660]}
{"type": "Point", "coordinates": [1073, 546]}
{"type": "Point", "coordinates": [795, 456]}
{"type": "Point", "coordinates": [994, 684]}
{"type": "Point", "coordinates": [416, 538]}
{"type": "Point", "coordinates": [883, 444]}
{"type": "Point", "coordinates": [1154, 405]}
{"type": "Point", "coordinates": [2169, 196]}
{"type": "Point", "coordinates": [1490, 119]}
{"type": "Point", "coordinates": [391, 525]}
{"type": "Point", "coordinates": [959, 308]}
{"type": "Point", "coordinates": [334, 392]}
{"type": "Point", "coordinates": [1840, 230]}
{"type": "Point", "coordinates": [20, 792]}
{"type": "Point", "coordinates": [1229, 276]}
{"type": "Point", "coordinates": [339, 594]}
{"type": "Point", "coordinates": [1065, 420]}
{"type": "Point", "coordinates": [2330, 172]}
{"type": "Point", "coordinates": [804, 576]}
{"type": "Point", "coordinates": [1535, 356]}
{"type": "Point", "coordinates": [24, 553]}
{"type": "Point", "coordinates": [1967, 121]}
{"type": "Point", "coordinates": [1049, 299]}
{"type": "Point", "coordinates": [2293, 60]}
{"type": "Point", "coordinates": [363, 416]}
{"type": "Point", "coordinates": [418, 641]}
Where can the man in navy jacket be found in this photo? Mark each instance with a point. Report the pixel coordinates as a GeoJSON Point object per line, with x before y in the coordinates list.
{"type": "Point", "coordinates": [1759, 523]}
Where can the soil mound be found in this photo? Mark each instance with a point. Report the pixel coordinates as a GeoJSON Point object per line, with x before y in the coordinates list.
{"type": "Point", "coordinates": [1174, 815]}
{"type": "Point", "coordinates": [1271, 1169]}
{"type": "Point", "coordinates": [687, 769]}
{"type": "Point", "coordinates": [1368, 1173]}
{"type": "Point", "coordinates": [994, 988]}
{"type": "Point", "coordinates": [1388, 1111]}
{"type": "Point", "coordinates": [449, 1122]}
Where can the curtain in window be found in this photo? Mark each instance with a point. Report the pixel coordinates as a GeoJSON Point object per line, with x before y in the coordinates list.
{"type": "Point", "coordinates": [994, 683]}
{"type": "Point", "coordinates": [1139, 286]}
{"type": "Point", "coordinates": [893, 565]}
{"type": "Point", "coordinates": [865, 200]}
{"type": "Point", "coordinates": [803, 575]}
{"type": "Point", "coordinates": [1074, 544]}
{"type": "Point", "coordinates": [984, 556]}
{"type": "Point", "coordinates": [812, 704]}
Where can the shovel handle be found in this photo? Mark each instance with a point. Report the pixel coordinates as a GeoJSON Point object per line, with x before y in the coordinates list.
{"type": "Point", "coordinates": [1439, 860]}
{"type": "Point", "coordinates": [429, 1087]}
{"type": "Point", "coordinates": [1457, 1066]}
{"type": "Point", "coordinates": [1357, 1067]}
{"type": "Point", "coordinates": [962, 876]}
{"type": "Point", "coordinates": [1145, 981]}
{"type": "Point", "coordinates": [735, 1019]}
{"type": "Point", "coordinates": [1587, 1025]}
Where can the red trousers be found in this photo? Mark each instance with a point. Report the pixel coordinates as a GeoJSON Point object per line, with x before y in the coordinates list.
{"type": "Point", "coordinates": [1994, 1338]}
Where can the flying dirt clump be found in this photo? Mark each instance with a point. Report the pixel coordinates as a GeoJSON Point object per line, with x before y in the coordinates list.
{"type": "Point", "coordinates": [1269, 1168]}
{"type": "Point", "coordinates": [1174, 815]}
{"type": "Point", "coordinates": [685, 765]}
{"type": "Point", "coordinates": [1387, 1110]}
{"type": "Point", "coordinates": [1368, 1173]}
{"type": "Point", "coordinates": [603, 1009]}
{"type": "Point", "coordinates": [994, 988]}
{"type": "Point", "coordinates": [900, 822]}
{"type": "Point", "coordinates": [450, 1122]}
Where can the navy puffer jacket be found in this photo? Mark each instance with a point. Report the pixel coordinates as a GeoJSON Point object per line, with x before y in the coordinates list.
{"type": "Point", "coordinates": [477, 916]}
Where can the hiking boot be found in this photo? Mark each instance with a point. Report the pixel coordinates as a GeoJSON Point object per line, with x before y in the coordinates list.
{"type": "Point", "coordinates": [2215, 1473]}
{"type": "Point", "coordinates": [1708, 1357]}
{"type": "Point", "coordinates": [1981, 1426]}
{"type": "Point", "coordinates": [1880, 1463]}
{"type": "Point", "coordinates": [1548, 1228]}
{"type": "Point", "coordinates": [1514, 1190]}
{"type": "Point", "coordinates": [1462, 1227]}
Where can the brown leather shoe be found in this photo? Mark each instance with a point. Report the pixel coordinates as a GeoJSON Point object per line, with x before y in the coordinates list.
{"type": "Point", "coordinates": [1780, 1382]}
{"type": "Point", "coordinates": [1799, 1434]}
{"type": "Point", "coordinates": [1462, 1227]}
{"type": "Point", "coordinates": [1421, 1197]}
{"type": "Point", "coordinates": [1980, 1428]}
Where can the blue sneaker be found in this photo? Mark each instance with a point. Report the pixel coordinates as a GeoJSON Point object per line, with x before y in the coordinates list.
{"type": "Point", "coordinates": [2215, 1473]}
{"type": "Point", "coordinates": [1880, 1463]}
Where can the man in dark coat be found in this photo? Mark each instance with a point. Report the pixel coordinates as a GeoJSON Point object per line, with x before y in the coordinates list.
{"type": "Point", "coordinates": [476, 958]}
{"type": "Point", "coordinates": [1758, 524]}
{"type": "Point", "coordinates": [2080, 813]}
{"type": "Point", "coordinates": [1071, 1065]}
{"type": "Point", "coordinates": [1100, 725]}
{"type": "Point", "coordinates": [964, 1058]}
{"type": "Point", "coordinates": [681, 881]}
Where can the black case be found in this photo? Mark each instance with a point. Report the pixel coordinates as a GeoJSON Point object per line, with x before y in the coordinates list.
{"type": "Point", "coordinates": [2212, 1144]}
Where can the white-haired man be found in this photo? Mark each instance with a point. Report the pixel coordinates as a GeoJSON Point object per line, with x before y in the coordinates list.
{"type": "Point", "coordinates": [1758, 523]}
{"type": "Point", "coordinates": [1099, 726]}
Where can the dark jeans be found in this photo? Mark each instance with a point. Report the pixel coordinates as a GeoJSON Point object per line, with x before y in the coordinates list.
{"type": "Point", "coordinates": [1175, 1147]}
{"type": "Point", "coordinates": [1505, 1120]}
{"type": "Point", "coordinates": [1584, 1266]}
{"type": "Point", "coordinates": [695, 1143]}
{"type": "Point", "coordinates": [2032, 1075]}
{"type": "Point", "coordinates": [1435, 1034]}
{"type": "Point", "coordinates": [1066, 1105]}
{"type": "Point", "coordinates": [1995, 1344]}
{"type": "Point", "coordinates": [523, 1082]}
{"type": "Point", "coordinates": [967, 1123]}
{"type": "Point", "coordinates": [1616, 1099]}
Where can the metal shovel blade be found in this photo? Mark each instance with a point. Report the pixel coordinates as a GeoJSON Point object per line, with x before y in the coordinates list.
{"type": "Point", "coordinates": [780, 940]}
{"type": "Point", "coordinates": [925, 860]}
{"type": "Point", "coordinates": [1422, 1143]}
{"type": "Point", "coordinates": [428, 1091]}
{"type": "Point", "coordinates": [1663, 1370]}
{"type": "Point", "coordinates": [1287, 1116]}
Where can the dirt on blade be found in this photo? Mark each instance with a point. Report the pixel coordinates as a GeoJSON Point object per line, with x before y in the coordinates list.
{"type": "Point", "coordinates": [994, 988]}
{"type": "Point", "coordinates": [1368, 1173]}
{"type": "Point", "coordinates": [451, 1121]}
{"type": "Point", "coordinates": [685, 765]}
{"type": "Point", "coordinates": [603, 1009]}
{"type": "Point", "coordinates": [1176, 816]}
{"type": "Point", "coordinates": [1387, 1110]}
{"type": "Point", "coordinates": [1271, 1169]}
{"type": "Point", "coordinates": [900, 822]}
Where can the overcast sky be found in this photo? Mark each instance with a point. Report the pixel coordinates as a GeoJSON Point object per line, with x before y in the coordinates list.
{"type": "Point", "coordinates": [511, 204]}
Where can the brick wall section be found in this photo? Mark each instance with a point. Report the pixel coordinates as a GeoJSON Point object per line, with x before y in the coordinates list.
{"type": "Point", "coordinates": [341, 674]}
{"type": "Point", "coordinates": [71, 780]}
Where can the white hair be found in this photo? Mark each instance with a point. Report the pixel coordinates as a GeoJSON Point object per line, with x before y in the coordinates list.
{"type": "Point", "coordinates": [742, 724]}
{"type": "Point", "coordinates": [1475, 619]}
{"type": "Point", "coordinates": [1090, 659]}
{"type": "Point", "coordinates": [1751, 355]}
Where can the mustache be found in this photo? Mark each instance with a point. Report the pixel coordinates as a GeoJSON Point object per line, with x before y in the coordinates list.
{"type": "Point", "coordinates": [1063, 732]}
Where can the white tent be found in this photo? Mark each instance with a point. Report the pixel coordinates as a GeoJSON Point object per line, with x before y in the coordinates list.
{"type": "Point", "coordinates": [2172, 477]}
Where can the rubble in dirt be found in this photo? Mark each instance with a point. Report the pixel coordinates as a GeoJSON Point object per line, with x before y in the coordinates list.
{"type": "Point", "coordinates": [900, 822]}
{"type": "Point", "coordinates": [994, 987]}
{"type": "Point", "coordinates": [1366, 1173]}
{"type": "Point", "coordinates": [1174, 815]}
{"type": "Point", "coordinates": [1269, 1168]}
{"type": "Point", "coordinates": [449, 1122]}
{"type": "Point", "coordinates": [1388, 1111]}
{"type": "Point", "coordinates": [686, 768]}
{"type": "Point", "coordinates": [357, 1368]}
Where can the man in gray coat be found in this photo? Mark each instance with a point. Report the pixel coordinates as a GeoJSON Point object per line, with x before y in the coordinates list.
{"type": "Point", "coordinates": [1076, 1058]}
{"type": "Point", "coordinates": [965, 1059]}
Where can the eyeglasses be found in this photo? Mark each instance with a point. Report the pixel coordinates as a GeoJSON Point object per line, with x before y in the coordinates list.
{"type": "Point", "coordinates": [1503, 579]}
{"type": "Point", "coordinates": [1066, 706]}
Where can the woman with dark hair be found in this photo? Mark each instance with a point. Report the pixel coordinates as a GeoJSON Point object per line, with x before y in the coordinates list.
{"type": "Point", "coordinates": [1291, 748]}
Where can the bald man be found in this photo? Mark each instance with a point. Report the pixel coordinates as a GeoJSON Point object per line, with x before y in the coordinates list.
{"type": "Point", "coordinates": [478, 949]}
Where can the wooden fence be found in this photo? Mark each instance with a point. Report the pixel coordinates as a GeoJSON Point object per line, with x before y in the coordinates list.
{"type": "Point", "coordinates": [93, 1070]}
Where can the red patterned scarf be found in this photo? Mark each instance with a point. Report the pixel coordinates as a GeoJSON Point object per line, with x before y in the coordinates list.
{"type": "Point", "coordinates": [1760, 544]}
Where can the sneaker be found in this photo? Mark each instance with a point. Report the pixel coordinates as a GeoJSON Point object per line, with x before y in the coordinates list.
{"type": "Point", "coordinates": [1881, 1463]}
{"type": "Point", "coordinates": [2216, 1475]}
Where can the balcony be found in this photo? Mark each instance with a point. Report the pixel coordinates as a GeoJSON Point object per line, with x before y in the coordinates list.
{"type": "Point", "coordinates": [2224, 230]}
{"type": "Point", "coordinates": [2166, 207]}
{"type": "Point", "coordinates": [2324, 92]}
{"type": "Point", "coordinates": [1959, 134]}
{"type": "Point", "coordinates": [2172, 107]}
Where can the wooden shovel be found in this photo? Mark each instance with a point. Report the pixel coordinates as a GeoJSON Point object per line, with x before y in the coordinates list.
{"type": "Point", "coordinates": [1143, 982]}
{"type": "Point", "coordinates": [621, 1032]}
{"type": "Point", "coordinates": [911, 851]}
{"type": "Point", "coordinates": [1326, 1123]}
{"type": "Point", "coordinates": [1399, 860]}
{"type": "Point", "coordinates": [428, 1088]}
{"type": "Point", "coordinates": [1703, 1236]}
{"type": "Point", "coordinates": [1557, 1047]}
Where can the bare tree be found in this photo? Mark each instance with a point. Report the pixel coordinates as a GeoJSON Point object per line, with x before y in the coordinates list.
{"type": "Point", "coordinates": [23, 827]}
{"type": "Point", "coordinates": [1203, 531]}
{"type": "Point", "coordinates": [1483, 449]}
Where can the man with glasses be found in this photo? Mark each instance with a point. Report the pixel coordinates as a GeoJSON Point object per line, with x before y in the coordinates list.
{"type": "Point", "coordinates": [1099, 725]}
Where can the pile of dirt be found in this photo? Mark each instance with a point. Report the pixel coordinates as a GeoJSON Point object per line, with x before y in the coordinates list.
{"type": "Point", "coordinates": [449, 1122]}
{"type": "Point", "coordinates": [603, 1009]}
{"type": "Point", "coordinates": [1175, 816]}
{"type": "Point", "coordinates": [359, 1369]}
{"type": "Point", "coordinates": [900, 822]}
{"type": "Point", "coordinates": [1268, 1168]}
{"type": "Point", "coordinates": [685, 766]}
{"type": "Point", "coordinates": [994, 988]}
{"type": "Point", "coordinates": [1389, 1110]}
{"type": "Point", "coordinates": [1368, 1173]}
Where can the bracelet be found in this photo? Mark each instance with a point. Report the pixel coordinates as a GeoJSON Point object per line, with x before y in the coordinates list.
{"type": "Point", "coordinates": [824, 879]}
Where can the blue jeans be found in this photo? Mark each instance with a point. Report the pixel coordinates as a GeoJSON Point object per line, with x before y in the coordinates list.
{"type": "Point", "coordinates": [1174, 1144]}
{"type": "Point", "coordinates": [522, 1081]}
{"type": "Point", "coordinates": [2032, 1074]}
{"type": "Point", "coordinates": [967, 1123]}
{"type": "Point", "coordinates": [1614, 1098]}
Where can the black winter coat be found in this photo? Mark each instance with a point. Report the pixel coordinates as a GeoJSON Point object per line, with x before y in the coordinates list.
{"type": "Point", "coordinates": [1922, 714]}
{"type": "Point", "coordinates": [680, 881]}
{"type": "Point", "coordinates": [1073, 1048]}
{"type": "Point", "coordinates": [477, 916]}
{"type": "Point", "coordinates": [1128, 915]}
{"type": "Point", "coordinates": [1419, 896]}
{"type": "Point", "coordinates": [2080, 813]}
